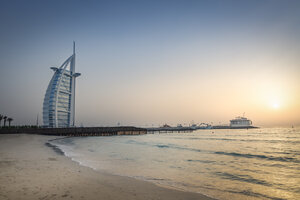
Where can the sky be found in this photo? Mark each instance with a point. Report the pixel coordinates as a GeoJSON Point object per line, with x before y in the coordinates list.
{"type": "Point", "coordinates": [146, 63]}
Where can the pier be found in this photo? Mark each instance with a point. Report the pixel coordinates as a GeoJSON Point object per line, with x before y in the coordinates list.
{"type": "Point", "coordinates": [106, 131]}
{"type": "Point", "coordinates": [77, 131]}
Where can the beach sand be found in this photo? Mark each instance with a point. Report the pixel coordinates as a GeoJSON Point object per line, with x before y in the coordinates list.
{"type": "Point", "coordinates": [31, 170]}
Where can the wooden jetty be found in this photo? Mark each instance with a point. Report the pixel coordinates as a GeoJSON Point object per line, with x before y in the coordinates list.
{"type": "Point", "coordinates": [78, 131]}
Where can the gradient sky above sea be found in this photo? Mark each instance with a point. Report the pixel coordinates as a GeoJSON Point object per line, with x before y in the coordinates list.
{"type": "Point", "coordinates": [154, 62]}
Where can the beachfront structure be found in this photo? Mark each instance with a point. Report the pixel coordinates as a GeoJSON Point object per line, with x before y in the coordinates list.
{"type": "Point", "coordinates": [59, 101]}
{"type": "Point", "coordinates": [240, 122]}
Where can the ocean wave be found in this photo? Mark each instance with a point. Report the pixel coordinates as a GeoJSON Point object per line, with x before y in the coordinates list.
{"type": "Point", "coordinates": [239, 140]}
{"type": "Point", "coordinates": [254, 194]}
{"type": "Point", "coordinates": [243, 178]}
{"type": "Point", "coordinates": [162, 146]}
{"type": "Point", "coordinates": [173, 146]}
{"type": "Point", "coordinates": [202, 161]}
{"type": "Point", "coordinates": [246, 155]}
{"type": "Point", "coordinates": [55, 148]}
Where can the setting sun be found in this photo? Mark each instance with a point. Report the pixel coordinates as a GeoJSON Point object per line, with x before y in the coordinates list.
{"type": "Point", "coordinates": [275, 105]}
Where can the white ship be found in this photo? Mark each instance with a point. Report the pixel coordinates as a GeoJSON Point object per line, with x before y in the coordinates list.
{"type": "Point", "coordinates": [241, 122]}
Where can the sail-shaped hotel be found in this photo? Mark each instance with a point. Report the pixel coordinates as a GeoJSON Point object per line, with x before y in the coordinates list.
{"type": "Point", "coordinates": [59, 101]}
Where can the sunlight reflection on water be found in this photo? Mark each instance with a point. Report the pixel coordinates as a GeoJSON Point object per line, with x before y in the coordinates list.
{"type": "Point", "coordinates": [229, 164]}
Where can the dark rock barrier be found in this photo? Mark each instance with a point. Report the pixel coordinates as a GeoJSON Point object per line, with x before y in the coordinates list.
{"type": "Point", "coordinates": [77, 131]}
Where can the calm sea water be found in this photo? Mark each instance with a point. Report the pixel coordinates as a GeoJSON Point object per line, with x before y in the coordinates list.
{"type": "Point", "coordinates": [224, 164]}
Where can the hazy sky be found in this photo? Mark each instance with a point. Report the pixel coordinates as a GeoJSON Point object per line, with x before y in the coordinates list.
{"type": "Point", "coordinates": [154, 62]}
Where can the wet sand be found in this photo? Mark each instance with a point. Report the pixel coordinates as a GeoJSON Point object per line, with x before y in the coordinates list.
{"type": "Point", "coordinates": [29, 169]}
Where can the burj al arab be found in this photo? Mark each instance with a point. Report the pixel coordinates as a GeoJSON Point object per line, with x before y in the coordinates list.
{"type": "Point", "coordinates": [59, 101]}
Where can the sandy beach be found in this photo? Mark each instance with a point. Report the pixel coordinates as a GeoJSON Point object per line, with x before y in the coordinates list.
{"type": "Point", "coordinates": [31, 170]}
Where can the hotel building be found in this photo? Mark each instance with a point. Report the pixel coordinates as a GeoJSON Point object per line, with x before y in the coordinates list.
{"type": "Point", "coordinates": [59, 101]}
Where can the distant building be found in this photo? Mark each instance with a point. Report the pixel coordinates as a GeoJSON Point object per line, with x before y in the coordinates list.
{"type": "Point", "coordinates": [240, 122]}
{"type": "Point", "coordinates": [59, 101]}
{"type": "Point", "coordinates": [166, 126]}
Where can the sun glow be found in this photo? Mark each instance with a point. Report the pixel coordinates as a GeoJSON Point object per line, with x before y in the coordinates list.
{"type": "Point", "coordinates": [275, 105]}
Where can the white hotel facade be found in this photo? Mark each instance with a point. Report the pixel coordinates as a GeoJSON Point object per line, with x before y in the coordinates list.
{"type": "Point", "coordinates": [59, 101]}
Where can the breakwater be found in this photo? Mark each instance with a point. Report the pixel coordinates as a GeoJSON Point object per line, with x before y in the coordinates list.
{"type": "Point", "coordinates": [230, 127]}
{"type": "Point", "coordinates": [78, 131]}
{"type": "Point", "coordinates": [170, 129]}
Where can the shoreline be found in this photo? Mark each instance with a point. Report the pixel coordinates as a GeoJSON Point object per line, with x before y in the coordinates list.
{"type": "Point", "coordinates": [61, 152]}
{"type": "Point", "coordinates": [29, 169]}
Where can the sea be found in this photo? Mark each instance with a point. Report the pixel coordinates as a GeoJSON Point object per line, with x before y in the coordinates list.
{"type": "Point", "coordinates": [224, 164]}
